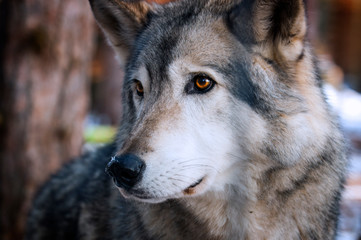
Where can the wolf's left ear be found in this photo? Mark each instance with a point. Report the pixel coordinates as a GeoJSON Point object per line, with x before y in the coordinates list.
{"type": "Point", "coordinates": [121, 21]}
{"type": "Point", "coordinates": [278, 25]}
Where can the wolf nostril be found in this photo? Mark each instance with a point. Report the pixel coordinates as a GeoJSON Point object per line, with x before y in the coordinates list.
{"type": "Point", "coordinates": [126, 170]}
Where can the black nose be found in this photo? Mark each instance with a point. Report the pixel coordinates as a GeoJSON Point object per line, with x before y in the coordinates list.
{"type": "Point", "coordinates": [126, 170]}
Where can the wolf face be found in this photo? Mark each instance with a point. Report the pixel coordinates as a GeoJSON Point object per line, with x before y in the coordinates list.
{"type": "Point", "coordinates": [212, 89]}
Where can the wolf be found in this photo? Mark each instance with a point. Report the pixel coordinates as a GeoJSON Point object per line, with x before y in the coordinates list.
{"type": "Point", "coordinates": [225, 133]}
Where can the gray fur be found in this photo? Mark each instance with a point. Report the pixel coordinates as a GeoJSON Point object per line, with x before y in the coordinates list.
{"type": "Point", "coordinates": [286, 167]}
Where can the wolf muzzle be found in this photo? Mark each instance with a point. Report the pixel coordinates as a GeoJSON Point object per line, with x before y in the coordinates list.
{"type": "Point", "coordinates": [126, 170]}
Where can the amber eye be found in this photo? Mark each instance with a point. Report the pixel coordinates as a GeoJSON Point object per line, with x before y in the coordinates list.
{"type": "Point", "coordinates": [203, 83]}
{"type": "Point", "coordinates": [139, 88]}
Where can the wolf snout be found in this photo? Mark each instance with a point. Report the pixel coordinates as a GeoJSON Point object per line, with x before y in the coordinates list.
{"type": "Point", "coordinates": [126, 170]}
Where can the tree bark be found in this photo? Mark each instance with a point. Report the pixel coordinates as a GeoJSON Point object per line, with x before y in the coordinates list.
{"type": "Point", "coordinates": [45, 52]}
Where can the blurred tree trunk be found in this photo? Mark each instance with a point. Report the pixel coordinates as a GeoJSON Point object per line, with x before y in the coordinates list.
{"type": "Point", "coordinates": [45, 52]}
{"type": "Point", "coordinates": [106, 102]}
{"type": "Point", "coordinates": [340, 22]}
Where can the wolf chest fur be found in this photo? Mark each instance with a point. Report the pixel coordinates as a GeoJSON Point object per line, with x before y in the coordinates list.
{"type": "Point", "coordinates": [225, 132]}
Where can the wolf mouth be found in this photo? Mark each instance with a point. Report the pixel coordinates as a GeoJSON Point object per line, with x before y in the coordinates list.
{"type": "Point", "coordinates": [190, 189]}
{"type": "Point", "coordinates": [143, 197]}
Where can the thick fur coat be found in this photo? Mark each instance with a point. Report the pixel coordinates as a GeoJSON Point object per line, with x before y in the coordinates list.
{"type": "Point", "coordinates": [225, 133]}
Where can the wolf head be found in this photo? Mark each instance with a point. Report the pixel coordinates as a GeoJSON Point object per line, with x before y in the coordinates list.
{"type": "Point", "coordinates": [212, 89]}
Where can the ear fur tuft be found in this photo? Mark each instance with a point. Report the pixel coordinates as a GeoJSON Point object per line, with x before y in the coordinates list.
{"type": "Point", "coordinates": [283, 24]}
{"type": "Point", "coordinates": [121, 21]}
{"type": "Point", "coordinates": [276, 27]}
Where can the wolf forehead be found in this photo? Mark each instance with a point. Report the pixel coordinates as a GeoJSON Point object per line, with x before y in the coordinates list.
{"type": "Point", "coordinates": [198, 37]}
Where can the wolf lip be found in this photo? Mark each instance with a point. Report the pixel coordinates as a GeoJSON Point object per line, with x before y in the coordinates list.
{"type": "Point", "coordinates": [195, 184]}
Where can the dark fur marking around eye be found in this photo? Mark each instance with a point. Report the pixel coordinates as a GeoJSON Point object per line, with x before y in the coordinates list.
{"type": "Point", "coordinates": [242, 86]}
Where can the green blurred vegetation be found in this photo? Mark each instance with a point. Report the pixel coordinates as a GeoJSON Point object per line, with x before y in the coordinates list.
{"type": "Point", "coordinates": [100, 134]}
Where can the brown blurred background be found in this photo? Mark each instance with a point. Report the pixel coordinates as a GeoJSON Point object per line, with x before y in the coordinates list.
{"type": "Point", "coordinates": [58, 78]}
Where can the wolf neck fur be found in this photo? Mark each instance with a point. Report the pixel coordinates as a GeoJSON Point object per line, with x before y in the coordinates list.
{"type": "Point", "coordinates": [223, 212]}
{"type": "Point", "coordinates": [213, 215]}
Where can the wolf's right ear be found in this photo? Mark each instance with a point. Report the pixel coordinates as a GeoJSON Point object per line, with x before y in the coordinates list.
{"type": "Point", "coordinates": [121, 21]}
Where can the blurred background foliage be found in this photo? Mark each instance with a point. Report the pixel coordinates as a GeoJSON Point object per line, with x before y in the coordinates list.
{"type": "Point", "coordinates": [60, 89]}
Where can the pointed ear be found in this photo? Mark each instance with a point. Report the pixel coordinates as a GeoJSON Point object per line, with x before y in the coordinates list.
{"type": "Point", "coordinates": [121, 21]}
{"type": "Point", "coordinates": [281, 23]}
{"type": "Point", "coordinates": [277, 28]}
